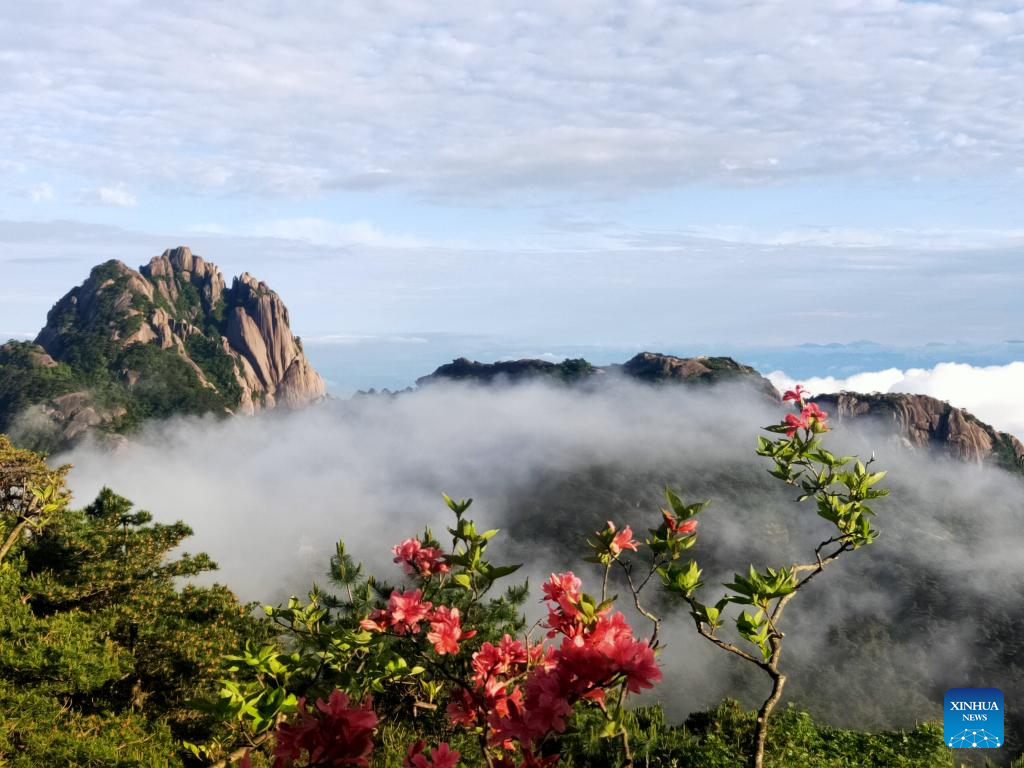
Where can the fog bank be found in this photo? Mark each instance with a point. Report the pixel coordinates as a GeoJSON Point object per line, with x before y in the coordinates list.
{"type": "Point", "coordinates": [872, 643]}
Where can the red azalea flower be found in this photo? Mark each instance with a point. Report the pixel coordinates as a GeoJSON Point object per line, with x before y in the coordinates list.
{"type": "Point", "coordinates": [622, 540]}
{"type": "Point", "coordinates": [562, 588]}
{"type": "Point", "coordinates": [812, 411]}
{"type": "Point", "coordinates": [446, 630]}
{"type": "Point", "coordinates": [635, 659]}
{"type": "Point", "coordinates": [796, 394]}
{"type": "Point", "coordinates": [462, 710]}
{"type": "Point", "coordinates": [680, 528]}
{"type": "Point", "coordinates": [376, 622]}
{"type": "Point", "coordinates": [502, 660]}
{"type": "Point", "coordinates": [441, 757]}
{"type": "Point", "coordinates": [336, 735]}
{"type": "Point", "coordinates": [793, 423]}
{"type": "Point", "coordinates": [419, 560]}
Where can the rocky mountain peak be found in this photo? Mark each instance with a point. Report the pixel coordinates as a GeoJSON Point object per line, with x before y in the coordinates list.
{"type": "Point", "coordinates": [923, 422]}
{"type": "Point", "coordinates": [657, 368]}
{"type": "Point", "coordinates": [173, 325]}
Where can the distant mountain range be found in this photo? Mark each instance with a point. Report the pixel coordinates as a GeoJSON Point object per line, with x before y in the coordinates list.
{"type": "Point", "coordinates": [172, 338]}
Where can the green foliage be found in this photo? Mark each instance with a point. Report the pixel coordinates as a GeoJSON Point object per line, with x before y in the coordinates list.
{"type": "Point", "coordinates": [573, 369]}
{"type": "Point", "coordinates": [322, 644]}
{"type": "Point", "coordinates": [188, 302]}
{"type": "Point", "coordinates": [101, 650]}
{"type": "Point", "coordinates": [1004, 453]}
{"type": "Point", "coordinates": [167, 385]}
{"type": "Point", "coordinates": [217, 365]}
{"type": "Point", "coordinates": [721, 738]}
{"type": "Point", "coordinates": [24, 380]}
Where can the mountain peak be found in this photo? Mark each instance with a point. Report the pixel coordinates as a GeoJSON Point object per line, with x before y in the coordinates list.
{"type": "Point", "coordinates": [171, 338]}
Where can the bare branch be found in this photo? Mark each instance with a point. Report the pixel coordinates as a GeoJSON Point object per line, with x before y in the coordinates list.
{"type": "Point", "coordinates": [654, 619]}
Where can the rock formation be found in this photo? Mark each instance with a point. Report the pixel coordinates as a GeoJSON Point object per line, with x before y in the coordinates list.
{"type": "Point", "coordinates": [921, 421]}
{"type": "Point", "coordinates": [170, 337]}
{"type": "Point", "coordinates": [648, 367]}
{"type": "Point", "coordinates": [661, 369]}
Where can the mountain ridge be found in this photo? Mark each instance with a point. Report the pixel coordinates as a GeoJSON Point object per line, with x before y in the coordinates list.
{"type": "Point", "coordinates": [918, 421]}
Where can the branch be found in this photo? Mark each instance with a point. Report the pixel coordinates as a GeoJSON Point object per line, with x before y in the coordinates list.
{"type": "Point", "coordinates": [814, 568]}
{"type": "Point", "coordinates": [655, 620]}
{"type": "Point", "coordinates": [13, 537]}
{"type": "Point", "coordinates": [723, 644]}
{"type": "Point", "coordinates": [240, 752]}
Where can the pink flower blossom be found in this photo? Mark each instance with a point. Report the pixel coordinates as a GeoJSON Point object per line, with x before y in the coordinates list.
{"type": "Point", "coordinates": [446, 630]}
{"type": "Point", "coordinates": [526, 693]}
{"type": "Point", "coordinates": [406, 610]}
{"type": "Point", "coordinates": [503, 659]}
{"type": "Point", "coordinates": [796, 394]}
{"type": "Point", "coordinates": [812, 411]}
{"type": "Point", "coordinates": [375, 622]}
{"type": "Point", "coordinates": [622, 540]}
{"type": "Point", "coordinates": [794, 423]}
{"type": "Point", "coordinates": [404, 613]}
{"type": "Point", "coordinates": [563, 588]}
{"type": "Point", "coordinates": [335, 735]}
{"type": "Point", "coordinates": [441, 757]}
{"type": "Point", "coordinates": [678, 527]}
{"type": "Point", "coordinates": [461, 709]}
{"type": "Point", "coordinates": [419, 560]}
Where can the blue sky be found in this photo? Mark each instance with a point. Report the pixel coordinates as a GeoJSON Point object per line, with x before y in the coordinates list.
{"type": "Point", "coordinates": [554, 174]}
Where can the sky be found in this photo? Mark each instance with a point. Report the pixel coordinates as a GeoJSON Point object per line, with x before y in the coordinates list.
{"type": "Point", "coordinates": [559, 173]}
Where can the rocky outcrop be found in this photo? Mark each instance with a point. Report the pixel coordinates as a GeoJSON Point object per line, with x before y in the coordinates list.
{"type": "Point", "coordinates": [171, 336]}
{"type": "Point", "coordinates": [923, 422]}
{"type": "Point", "coordinates": [648, 367]}
{"type": "Point", "coordinates": [257, 327]}
{"type": "Point", "coordinates": [512, 371]}
{"type": "Point", "coordinates": [180, 265]}
{"type": "Point", "coordinates": [656, 368]}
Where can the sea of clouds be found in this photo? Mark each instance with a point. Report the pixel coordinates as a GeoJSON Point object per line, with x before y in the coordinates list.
{"type": "Point", "coordinates": [269, 496]}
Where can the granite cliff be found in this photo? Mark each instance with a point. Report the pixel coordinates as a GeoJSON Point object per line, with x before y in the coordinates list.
{"type": "Point", "coordinates": [923, 422]}
{"type": "Point", "coordinates": [170, 337]}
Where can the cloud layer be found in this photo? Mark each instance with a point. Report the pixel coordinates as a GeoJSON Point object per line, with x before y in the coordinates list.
{"type": "Point", "coordinates": [497, 96]}
{"type": "Point", "coordinates": [268, 496]}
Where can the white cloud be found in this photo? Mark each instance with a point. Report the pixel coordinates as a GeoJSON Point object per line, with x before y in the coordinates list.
{"type": "Point", "coordinates": [687, 290]}
{"type": "Point", "coordinates": [330, 233]}
{"type": "Point", "coordinates": [116, 196]}
{"type": "Point", "coordinates": [992, 393]}
{"type": "Point", "coordinates": [487, 99]}
{"type": "Point", "coordinates": [41, 193]}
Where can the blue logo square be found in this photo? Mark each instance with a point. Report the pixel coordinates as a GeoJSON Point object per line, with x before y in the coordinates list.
{"type": "Point", "coordinates": [974, 718]}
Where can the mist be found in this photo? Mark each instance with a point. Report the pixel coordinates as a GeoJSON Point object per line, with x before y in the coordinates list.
{"type": "Point", "coordinates": [873, 643]}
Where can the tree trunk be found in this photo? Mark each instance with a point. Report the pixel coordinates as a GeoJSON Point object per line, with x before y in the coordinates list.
{"type": "Point", "coordinates": [761, 731]}
{"type": "Point", "coordinates": [12, 539]}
